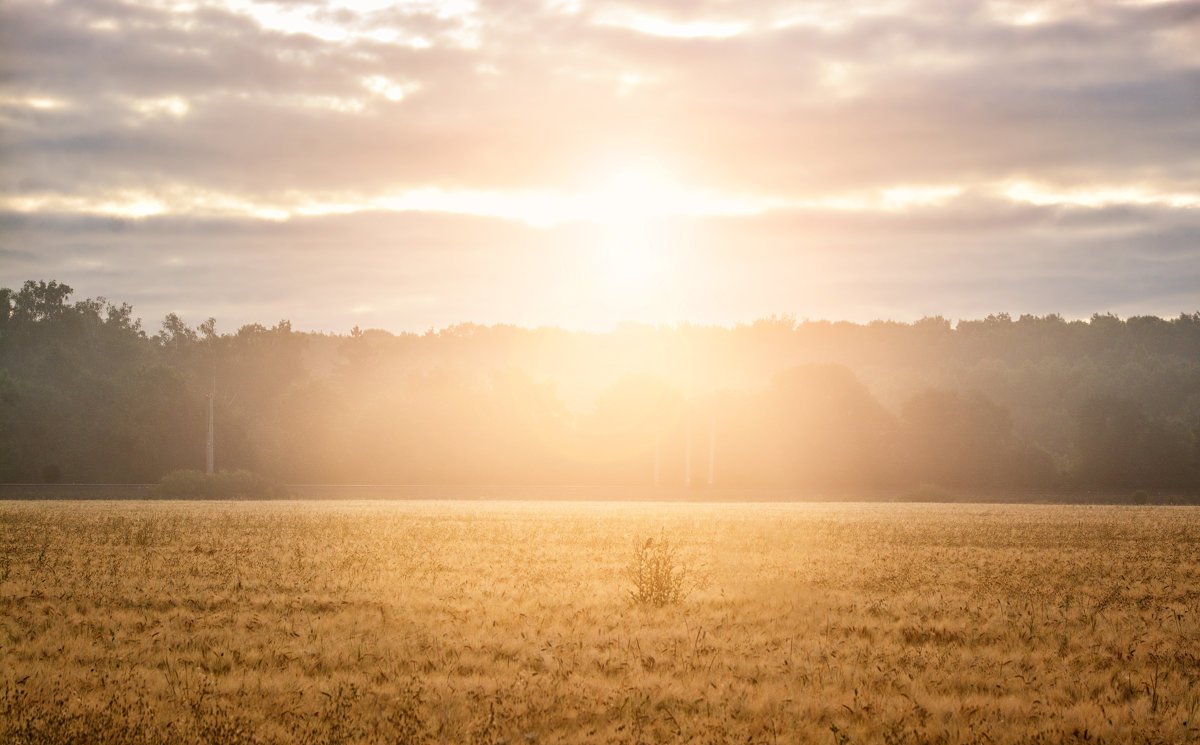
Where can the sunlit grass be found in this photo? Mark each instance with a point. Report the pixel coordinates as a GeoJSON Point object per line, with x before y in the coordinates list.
{"type": "Point", "coordinates": [490, 622]}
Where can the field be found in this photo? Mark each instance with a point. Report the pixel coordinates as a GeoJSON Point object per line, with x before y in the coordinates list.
{"type": "Point", "coordinates": [511, 622]}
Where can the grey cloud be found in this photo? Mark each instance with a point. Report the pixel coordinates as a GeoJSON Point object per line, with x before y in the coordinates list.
{"type": "Point", "coordinates": [415, 271]}
{"type": "Point", "coordinates": [1082, 99]}
{"type": "Point", "coordinates": [1096, 98]}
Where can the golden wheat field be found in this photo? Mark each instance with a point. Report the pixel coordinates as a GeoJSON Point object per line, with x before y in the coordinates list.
{"type": "Point", "coordinates": [486, 622]}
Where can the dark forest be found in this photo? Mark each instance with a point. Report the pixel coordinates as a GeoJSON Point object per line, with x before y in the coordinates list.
{"type": "Point", "coordinates": [87, 395]}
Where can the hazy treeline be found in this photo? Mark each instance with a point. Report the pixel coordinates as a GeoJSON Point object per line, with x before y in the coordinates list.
{"type": "Point", "coordinates": [87, 394]}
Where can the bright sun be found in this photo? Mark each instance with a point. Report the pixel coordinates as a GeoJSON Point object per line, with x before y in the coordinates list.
{"type": "Point", "coordinates": [629, 208]}
{"type": "Point", "coordinates": [635, 192]}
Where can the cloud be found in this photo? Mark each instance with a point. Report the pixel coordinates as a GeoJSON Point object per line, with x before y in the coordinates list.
{"type": "Point", "coordinates": [986, 136]}
{"type": "Point", "coordinates": [413, 271]}
{"type": "Point", "coordinates": [216, 98]}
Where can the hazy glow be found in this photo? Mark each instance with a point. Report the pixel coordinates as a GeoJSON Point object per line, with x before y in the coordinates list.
{"type": "Point", "coordinates": [624, 200]}
{"type": "Point", "coordinates": [892, 199]}
{"type": "Point", "coordinates": [323, 21]}
{"type": "Point", "coordinates": [656, 26]}
{"type": "Point", "coordinates": [614, 197]}
{"type": "Point", "coordinates": [389, 89]}
{"type": "Point", "coordinates": [840, 80]}
{"type": "Point", "coordinates": [834, 15]}
{"type": "Point", "coordinates": [904, 197]}
{"type": "Point", "coordinates": [132, 204]}
{"type": "Point", "coordinates": [33, 102]}
{"type": "Point", "coordinates": [175, 106]}
{"type": "Point", "coordinates": [135, 204]}
{"type": "Point", "coordinates": [1020, 13]}
{"type": "Point", "coordinates": [104, 24]}
{"type": "Point", "coordinates": [330, 103]}
{"type": "Point", "coordinates": [1098, 196]}
{"type": "Point", "coordinates": [625, 204]}
{"type": "Point", "coordinates": [635, 192]}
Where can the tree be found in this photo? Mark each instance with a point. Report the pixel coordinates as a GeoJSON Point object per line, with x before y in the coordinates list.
{"type": "Point", "coordinates": [957, 439]}
{"type": "Point", "coordinates": [1121, 446]}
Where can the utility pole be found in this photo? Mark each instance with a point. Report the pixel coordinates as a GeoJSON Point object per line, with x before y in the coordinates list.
{"type": "Point", "coordinates": [712, 447]}
{"type": "Point", "coordinates": [209, 460]}
{"type": "Point", "coordinates": [687, 447]}
{"type": "Point", "coordinates": [657, 444]}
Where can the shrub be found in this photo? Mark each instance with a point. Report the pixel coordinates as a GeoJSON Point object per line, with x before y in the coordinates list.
{"type": "Point", "coordinates": [658, 575]}
{"type": "Point", "coordinates": [190, 484]}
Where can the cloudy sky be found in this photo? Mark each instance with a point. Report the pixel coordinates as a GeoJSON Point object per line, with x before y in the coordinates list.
{"type": "Point", "coordinates": [408, 165]}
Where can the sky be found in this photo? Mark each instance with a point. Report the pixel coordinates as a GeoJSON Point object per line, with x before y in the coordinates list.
{"type": "Point", "coordinates": [411, 165]}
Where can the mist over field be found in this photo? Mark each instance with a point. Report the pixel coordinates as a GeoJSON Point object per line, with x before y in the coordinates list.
{"type": "Point", "coordinates": [1032, 403]}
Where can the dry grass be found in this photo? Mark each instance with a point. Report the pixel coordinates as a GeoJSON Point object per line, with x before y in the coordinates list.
{"type": "Point", "coordinates": [511, 622]}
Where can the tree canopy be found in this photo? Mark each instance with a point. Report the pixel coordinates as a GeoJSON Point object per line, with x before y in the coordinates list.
{"type": "Point", "coordinates": [88, 395]}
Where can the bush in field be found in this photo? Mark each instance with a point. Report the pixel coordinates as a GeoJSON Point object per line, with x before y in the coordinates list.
{"type": "Point", "coordinates": [188, 484]}
{"type": "Point", "coordinates": [658, 575]}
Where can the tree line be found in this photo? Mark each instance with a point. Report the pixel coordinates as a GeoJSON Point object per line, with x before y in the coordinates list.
{"type": "Point", "coordinates": [88, 395]}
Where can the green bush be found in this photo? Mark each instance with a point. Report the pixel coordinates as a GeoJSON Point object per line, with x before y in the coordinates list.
{"type": "Point", "coordinates": [190, 484]}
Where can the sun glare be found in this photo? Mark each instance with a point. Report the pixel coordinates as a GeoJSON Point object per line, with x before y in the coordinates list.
{"type": "Point", "coordinates": [629, 256]}
{"type": "Point", "coordinates": [634, 193]}
{"type": "Point", "coordinates": [629, 207]}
